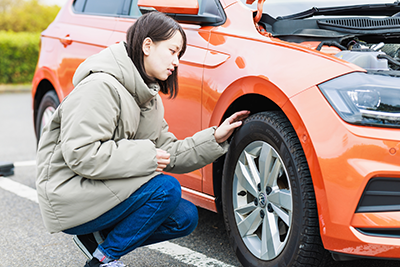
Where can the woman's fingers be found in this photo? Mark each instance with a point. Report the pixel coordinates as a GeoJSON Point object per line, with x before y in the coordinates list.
{"type": "Point", "coordinates": [236, 124]}
{"type": "Point", "coordinates": [224, 131]}
{"type": "Point", "coordinates": [163, 159]}
{"type": "Point", "coordinates": [161, 165]}
{"type": "Point", "coordinates": [239, 116]}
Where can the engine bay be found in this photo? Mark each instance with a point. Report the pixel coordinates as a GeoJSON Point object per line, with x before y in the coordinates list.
{"type": "Point", "coordinates": [371, 42]}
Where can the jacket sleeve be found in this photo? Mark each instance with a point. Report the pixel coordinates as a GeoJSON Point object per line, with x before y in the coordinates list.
{"type": "Point", "coordinates": [191, 153]}
{"type": "Point", "coordinates": [90, 116]}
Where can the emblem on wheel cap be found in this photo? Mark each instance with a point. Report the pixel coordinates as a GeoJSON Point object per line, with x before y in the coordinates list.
{"type": "Point", "coordinates": [261, 200]}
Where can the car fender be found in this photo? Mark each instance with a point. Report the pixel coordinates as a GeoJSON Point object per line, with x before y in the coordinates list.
{"type": "Point", "coordinates": [259, 85]}
{"type": "Point", "coordinates": [262, 86]}
{"type": "Point", "coordinates": [48, 74]}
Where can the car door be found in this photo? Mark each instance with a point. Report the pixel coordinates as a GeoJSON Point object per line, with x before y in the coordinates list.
{"type": "Point", "coordinates": [82, 32]}
{"type": "Point", "coordinates": [183, 113]}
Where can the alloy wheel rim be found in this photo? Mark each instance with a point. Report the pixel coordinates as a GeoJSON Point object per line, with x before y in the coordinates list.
{"type": "Point", "coordinates": [46, 117]}
{"type": "Point", "coordinates": [262, 200]}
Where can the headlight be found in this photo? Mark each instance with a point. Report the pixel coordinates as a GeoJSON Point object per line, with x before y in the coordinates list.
{"type": "Point", "coordinates": [365, 99]}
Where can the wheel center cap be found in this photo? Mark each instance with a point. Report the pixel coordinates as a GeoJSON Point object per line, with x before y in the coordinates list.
{"type": "Point", "coordinates": [262, 200]}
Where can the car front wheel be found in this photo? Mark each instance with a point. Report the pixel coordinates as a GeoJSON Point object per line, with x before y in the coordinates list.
{"type": "Point", "coordinates": [46, 110]}
{"type": "Point", "coordinates": [268, 197]}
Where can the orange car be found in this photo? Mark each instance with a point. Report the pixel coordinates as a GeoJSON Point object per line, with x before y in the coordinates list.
{"type": "Point", "coordinates": [316, 167]}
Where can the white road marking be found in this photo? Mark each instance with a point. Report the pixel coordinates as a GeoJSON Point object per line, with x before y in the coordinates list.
{"type": "Point", "coordinates": [175, 251]}
{"type": "Point", "coordinates": [19, 189]}
{"type": "Point", "coordinates": [25, 163]}
{"type": "Point", "coordinates": [186, 255]}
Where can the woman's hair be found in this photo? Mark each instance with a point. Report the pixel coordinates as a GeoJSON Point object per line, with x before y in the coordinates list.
{"type": "Point", "coordinates": [158, 27]}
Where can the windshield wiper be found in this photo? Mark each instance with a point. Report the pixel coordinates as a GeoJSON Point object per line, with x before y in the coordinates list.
{"type": "Point", "coordinates": [368, 10]}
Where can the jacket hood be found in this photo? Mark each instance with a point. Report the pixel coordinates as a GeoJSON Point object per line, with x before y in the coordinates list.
{"type": "Point", "coordinates": [115, 61]}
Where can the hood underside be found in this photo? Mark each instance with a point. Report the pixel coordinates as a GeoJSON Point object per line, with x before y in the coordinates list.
{"type": "Point", "coordinates": [366, 35]}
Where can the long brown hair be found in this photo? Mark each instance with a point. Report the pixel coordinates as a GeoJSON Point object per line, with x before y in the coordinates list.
{"type": "Point", "coordinates": [158, 27]}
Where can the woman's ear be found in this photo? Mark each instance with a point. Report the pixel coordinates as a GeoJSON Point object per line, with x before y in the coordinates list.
{"type": "Point", "coordinates": [146, 46]}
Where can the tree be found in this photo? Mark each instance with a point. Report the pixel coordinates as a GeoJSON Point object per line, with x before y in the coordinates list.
{"type": "Point", "coordinates": [25, 15]}
{"type": "Point", "coordinates": [6, 5]}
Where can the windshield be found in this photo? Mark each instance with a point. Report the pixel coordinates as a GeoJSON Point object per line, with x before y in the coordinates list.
{"type": "Point", "coordinates": [276, 8]}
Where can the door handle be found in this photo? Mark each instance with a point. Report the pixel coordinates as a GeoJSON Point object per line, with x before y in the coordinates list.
{"type": "Point", "coordinates": [66, 40]}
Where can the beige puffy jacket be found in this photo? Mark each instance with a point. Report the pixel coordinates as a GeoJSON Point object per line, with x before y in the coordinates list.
{"type": "Point", "coordinates": [100, 145]}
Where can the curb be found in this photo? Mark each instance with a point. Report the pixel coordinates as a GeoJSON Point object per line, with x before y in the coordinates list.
{"type": "Point", "coordinates": [15, 88]}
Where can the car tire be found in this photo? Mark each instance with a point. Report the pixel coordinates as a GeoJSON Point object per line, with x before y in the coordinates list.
{"type": "Point", "coordinates": [46, 110]}
{"type": "Point", "coordinates": [268, 197]}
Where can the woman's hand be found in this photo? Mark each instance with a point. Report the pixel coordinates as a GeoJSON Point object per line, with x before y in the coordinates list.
{"type": "Point", "coordinates": [225, 130]}
{"type": "Point", "coordinates": [162, 159]}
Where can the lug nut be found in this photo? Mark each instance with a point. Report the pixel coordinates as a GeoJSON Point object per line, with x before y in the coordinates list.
{"type": "Point", "coordinates": [262, 214]}
{"type": "Point", "coordinates": [268, 190]}
{"type": "Point", "coordinates": [256, 201]}
{"type": "Point", "coordinates": [259, 187]}
{"type": "Point", "coordinates": [269, 207]}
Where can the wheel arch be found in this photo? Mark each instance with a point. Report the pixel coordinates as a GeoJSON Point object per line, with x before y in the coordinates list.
{"type": "Point", "coordinates": [43, 87]}
{"type": "Point", "coordinates": [258, 94]}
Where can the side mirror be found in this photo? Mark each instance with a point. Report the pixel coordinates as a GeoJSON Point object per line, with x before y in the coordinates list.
{"type": "Point", "coordinates": [209, 12]}
{"type": "Point", "coordinates": [187, 7]}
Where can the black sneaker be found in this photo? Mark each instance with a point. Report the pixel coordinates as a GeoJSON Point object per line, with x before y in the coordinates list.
{"type": "Point", "coordinates": [96, 263]}
{"type": "Point", "coordinates": [88, 243]}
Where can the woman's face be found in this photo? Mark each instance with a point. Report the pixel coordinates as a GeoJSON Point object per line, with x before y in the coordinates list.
{"type": "Point", "coordinates": [161, 58]}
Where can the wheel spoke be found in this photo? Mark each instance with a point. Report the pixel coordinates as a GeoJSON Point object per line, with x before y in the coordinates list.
{"type": "Point", "coordinates": [265, 164]}
{"type": "Point", "coordinates": [245, 209]}
{"type": "Point", "coordinates": [281, 214]}
{"type": "Point", "coordinates": [273, 175]}
{"type": "Point", "coordinates": [270, 241]}
{"type": "Point", "coordinates": [245, 179]}
{"type": "Point", "coordinates": [264, 240]}
{"type": "Point", "coordinates": [255, 175]}
{"type": "Point", "coordinates": [281, 198]}
{"type": "Point", "coordinates": [250, 223]}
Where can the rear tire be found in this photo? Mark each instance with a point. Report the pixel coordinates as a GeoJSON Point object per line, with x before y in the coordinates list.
{"type": "Point", "coordinates": [268, 197]}
{"type": "Point", "coordinates": [47, 107]}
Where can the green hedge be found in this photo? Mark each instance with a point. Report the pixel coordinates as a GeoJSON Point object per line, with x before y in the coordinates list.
{"type": "Point", "coordinates": [19, 53]}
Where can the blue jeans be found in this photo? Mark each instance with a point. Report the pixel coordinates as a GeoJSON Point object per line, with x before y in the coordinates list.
{"type": "Point", "coordinates": [153, 213]}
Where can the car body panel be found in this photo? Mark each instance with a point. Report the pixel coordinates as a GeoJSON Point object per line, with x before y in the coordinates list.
{"type": "Point", "coordinates": [338, 191]}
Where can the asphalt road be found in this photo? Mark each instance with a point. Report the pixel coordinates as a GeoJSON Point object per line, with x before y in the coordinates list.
{"type": "Point", "coordinates": [25, 242]}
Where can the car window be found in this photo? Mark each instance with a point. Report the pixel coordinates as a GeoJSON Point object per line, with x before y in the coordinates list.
{"type": "Point", "coordinates": [208, 7]}
{"type": "Point", "coordinates": [79, 5]}
{"type": "Point", "coordinates": [135, 12]}
{"type": "Point", "coordinates": [105, 7]}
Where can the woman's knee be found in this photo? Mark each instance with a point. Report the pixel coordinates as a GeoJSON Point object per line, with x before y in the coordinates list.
{"type": "Point", "coordinates": [170, 188]}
